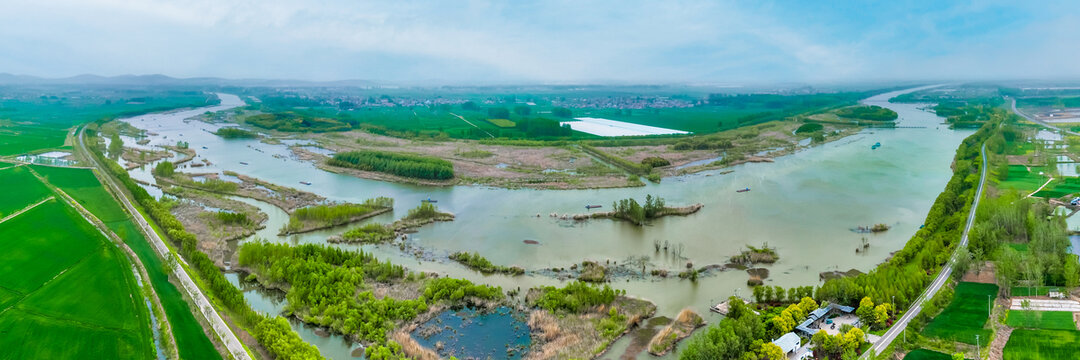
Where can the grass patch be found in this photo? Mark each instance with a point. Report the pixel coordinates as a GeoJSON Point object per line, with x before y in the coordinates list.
{"type": "Point", "coordinates": [1043, 345]}
{"type": "Point", "coordinates": [966, 315]}
{"type": "Point", "coordinates": [1048, 320]}
{"type": "Point", "coordinates": [923, 354]}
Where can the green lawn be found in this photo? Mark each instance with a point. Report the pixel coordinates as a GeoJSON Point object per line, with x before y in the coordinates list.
{"type": "Point", "coordinates": [965, 316]}
{"type": "Point", "coordinates": [30, 190]}
{"type": "Point", "coordinates": [21, 139]}
{"type": "Point", "coordinates": [1048, 320]}
{"type": "Point", "coordinates": [923, 354]}
{"type": "Point", "coordinates": [1043, 345]}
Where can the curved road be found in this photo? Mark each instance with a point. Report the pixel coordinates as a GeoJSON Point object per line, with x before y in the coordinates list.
{"type": "Point", "coordinates": [941, 279]}
{"type": "Point", "coordinates": [1037, 121]}
{"type": "Point", "coordinates": [236, 349]}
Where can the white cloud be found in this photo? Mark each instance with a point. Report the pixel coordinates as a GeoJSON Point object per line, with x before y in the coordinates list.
{"type": "Point", "coordinates": [479, 41]}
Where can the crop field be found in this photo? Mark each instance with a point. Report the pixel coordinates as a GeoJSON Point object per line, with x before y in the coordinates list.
{"type": "Point", "coordinates": [32, 119]}
{"type": "Point", "coordinates": [191, 340]}
{"type": "Point", "coordinates": [30, 190]}
{"type": "Point", "coordinates": [1060, 187]}
{"type": "Point", "coordinates": [503, 123]}
{"type": "Point", "coordinates": [1033, 290]}
{"type": "Point", "coordinates": [20, 139]}
{"type": "Point", "coordinates": [84, 300]}
{"type": "Point", "coordinates": [966, 315]}
{"type": "Point", "coordinates": [1047, 320]}
{"type": "Point", "coordinates": [1043, 345]}
{"type": "Point", "coordinates": [923, 354]}
{"type": "Point", "coordinates": [1021, 179]}
{"type": "Point", "coordinates": [82, 185]}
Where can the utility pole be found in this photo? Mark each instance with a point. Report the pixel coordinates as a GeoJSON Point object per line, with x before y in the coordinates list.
{"type": "Point", "coordinates": [978, 355]}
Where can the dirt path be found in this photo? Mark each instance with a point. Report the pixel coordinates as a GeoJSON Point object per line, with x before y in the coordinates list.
{"type": "Point", "coordinates": [1001, 337]}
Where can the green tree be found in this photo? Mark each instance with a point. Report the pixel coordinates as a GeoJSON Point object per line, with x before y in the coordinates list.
{"type": "Point", "coordinates": [866, 311]}
{"type": "Point", "coordinates": [116, 146]}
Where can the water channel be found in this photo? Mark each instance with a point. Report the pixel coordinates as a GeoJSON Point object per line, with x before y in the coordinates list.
{"type": "Point", "coordinates": [804, 204]}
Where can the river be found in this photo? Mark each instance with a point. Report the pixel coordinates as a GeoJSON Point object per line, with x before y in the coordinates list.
{"type": "Point", "coordinates": [803, 204]}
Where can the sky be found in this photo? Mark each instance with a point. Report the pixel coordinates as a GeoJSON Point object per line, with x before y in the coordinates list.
{"type": "Point", "coordinates": [550, 42]}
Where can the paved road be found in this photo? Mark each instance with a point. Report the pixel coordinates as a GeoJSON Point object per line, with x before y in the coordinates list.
{"type": "Point", "coordinates": [941, 279]}
{"type": "Point", "coordinates": [1037, 121]}
{"type": "Point", "coordinates": [236, 349]}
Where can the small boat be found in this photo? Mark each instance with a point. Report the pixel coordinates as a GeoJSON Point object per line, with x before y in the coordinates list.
{"type": "Point", "coordinates": [593, 206]}
{"type": "Point", "coordinates": [243, 163]}
{"type": "Point", "coordinates": [428, 200]}
{"type": "Point", "coordinates": [531, 242]}
{"type": "Point", "coordinates": [743, 190]}
{"type": "Point", "coordinates": [305, 183]}
{"type": "Point", "coordinates": [204, 148]}
{"type": "Point", "coordinates": [876, 145]}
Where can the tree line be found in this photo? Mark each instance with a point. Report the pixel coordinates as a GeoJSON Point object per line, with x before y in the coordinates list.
{"type": "Point", "coordinates": [405, 165]}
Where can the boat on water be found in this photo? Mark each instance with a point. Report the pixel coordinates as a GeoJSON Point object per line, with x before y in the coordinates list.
{"type": "Point", "coordinates": [305, 183]}
{"type": "Point", "coordinates": [243, 163]}
{"type": "Point", "coordinates": [743, 190]}
{"type": "Point", "coordinates": [593, 206]}
{"type": "Point", "coordinates": [204, 148]}
{"type": "Point", "coordinates": [875, 146]}
{"type": "Point", "coordinates": [428, 200]}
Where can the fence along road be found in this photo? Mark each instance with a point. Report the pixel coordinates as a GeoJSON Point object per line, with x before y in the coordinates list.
{"type": "Point", "coordinates": [235, 347]}
{"type": "Point", "coordinates": [941, 279]}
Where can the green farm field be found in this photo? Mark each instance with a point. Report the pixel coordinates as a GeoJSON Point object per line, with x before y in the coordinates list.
{"type": "Point", "coordinates": [85, 300]}
{"type": "Point", "coordinates": [965, 316]}
{"type": "Point", "coordinates": [923, 354]}
{"type": "Point", "coordinates": [1021, 179]}
{"type": "Point", "coordinates": [1060, 187]}
{"type": "Point", "coordinates": [30, 189]}
{"type": "Point", "coordinates": [33, 119]}
{"type": "Point", "coordinates": [1043, 345]}
{"type": "Point", "coordinates": [82, 185]}
{"type": "Point", "coordinates": [1047, 320]}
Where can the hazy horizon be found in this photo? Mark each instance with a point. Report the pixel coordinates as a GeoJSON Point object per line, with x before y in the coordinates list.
{"type": "Point", "coordinates": [483, 42]}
